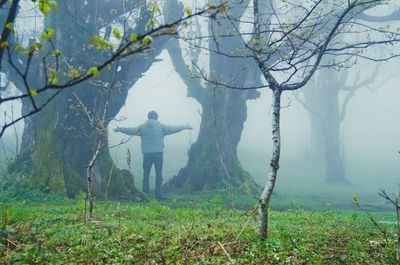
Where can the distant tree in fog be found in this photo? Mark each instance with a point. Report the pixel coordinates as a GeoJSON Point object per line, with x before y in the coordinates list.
{"type": "Point", "coordinates": [327, 112]}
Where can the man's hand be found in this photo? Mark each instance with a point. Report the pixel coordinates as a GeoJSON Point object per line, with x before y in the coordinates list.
{"type": "Point", "coordinates": [116, 129]}
{"type": "Point", "coordinates": [188, 127]}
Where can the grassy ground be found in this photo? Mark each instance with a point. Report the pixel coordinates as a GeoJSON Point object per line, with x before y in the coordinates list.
{"type": "Point", "coordinates": [186, 232]}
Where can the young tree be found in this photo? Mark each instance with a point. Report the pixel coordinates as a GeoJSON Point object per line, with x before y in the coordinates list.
{"type": "Point", "coordinates": [289, 42]}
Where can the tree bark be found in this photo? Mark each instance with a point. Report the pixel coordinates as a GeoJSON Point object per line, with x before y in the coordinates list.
{"type": "Point", "coordinates": [213, 163]}
{"type": "Point", "coordinates": [273, 168]}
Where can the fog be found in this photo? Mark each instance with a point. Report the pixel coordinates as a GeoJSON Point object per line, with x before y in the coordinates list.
{"type": "Point", "coordinates": [370, 133]}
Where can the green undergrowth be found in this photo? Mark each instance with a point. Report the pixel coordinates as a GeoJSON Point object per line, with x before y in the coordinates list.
{"type": "Point", "coordinates": [174, 233]}
{"type": "Point", "coordinates": [13, 195]}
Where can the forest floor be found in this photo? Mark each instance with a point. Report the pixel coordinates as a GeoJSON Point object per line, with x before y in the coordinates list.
{"type": "Point", "coordinates": [185, 232]}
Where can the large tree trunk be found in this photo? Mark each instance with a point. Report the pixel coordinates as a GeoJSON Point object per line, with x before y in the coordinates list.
{"type": "Point", "coordinates": [58, 142]}
{"type": "Point", "coordinates": [213, 163]}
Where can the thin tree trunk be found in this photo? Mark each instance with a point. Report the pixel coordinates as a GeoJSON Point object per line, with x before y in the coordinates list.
{"type": "Point", "coordinates": [273, 168]}
{"type": "Point", "coordinates": [90, 179]}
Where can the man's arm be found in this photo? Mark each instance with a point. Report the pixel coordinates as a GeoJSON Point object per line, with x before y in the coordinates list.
{"type": "Point", "coordinates": [167, 129]}
{"type": "Point", "coordinates": [129, 131]}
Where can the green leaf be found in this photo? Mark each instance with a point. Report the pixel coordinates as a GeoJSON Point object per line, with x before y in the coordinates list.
{"type": "Point", "coordinates": [73, 73]}
{"type": "Point", "coordinates": [53, 76]}
{"type": "Point", "coordinates": [155, 11]}
{"type": "Point", "coordinates": [4, 44]}
{"type": "Point", "coordinates": [188, 12]}
{"type": "Point", "coordinates": [36, 46]}
{"type": "Point", "coordinates": [101, 43]}
{"type": "Point", "coordinates": [147, 40]}
{"type": "Point", "coordinates": [93, 71]}
{"type": "Point", "coordinates": [9, 26]}
{"type": "Point", "coordinates": [151, 23]}
{"type": "Point", "coordinates": [53, 80]}
{"type": "Point", "coordinates": [44, 7]}
{"type": "Point", "coordinates": [211, 5]}
{"type": "Point", "coordinates": [95, 39]}
{"type": "Point", "coordinates": [18, 47]}
{"type": "Point", "coordinates": [33, 92]}
{"type": "Point", "coordinates": [116, 33]}
{"type": "Point", "coordinates": [48, 34]}
{"type": "Point", "coordinates": [56, 52]}
{"type": "Point", "coordinates": [133, 37]}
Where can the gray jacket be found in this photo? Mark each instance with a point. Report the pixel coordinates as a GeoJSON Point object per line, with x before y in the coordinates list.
{"type": "Point", "coordinates": [152, 134]}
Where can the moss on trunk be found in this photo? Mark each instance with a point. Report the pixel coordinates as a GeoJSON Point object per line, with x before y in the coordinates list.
{"type": "Point", "coordinates": [213, 163]}
{"type": "Point", "coordinates": [59, 142]}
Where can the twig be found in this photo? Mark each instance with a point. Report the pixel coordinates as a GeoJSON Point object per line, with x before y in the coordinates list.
{"type": "Point", "coordinates": [109, 181]}
{"type": "Point", "coordinates": [229, 257]}
{"type": "Point", "coordinates": [248, 220]}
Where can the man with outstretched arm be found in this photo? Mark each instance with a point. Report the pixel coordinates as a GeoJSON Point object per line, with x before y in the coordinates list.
{"type": "Point", "coordinates": [152, 134]}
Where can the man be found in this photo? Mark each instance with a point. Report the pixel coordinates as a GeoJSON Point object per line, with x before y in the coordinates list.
{"type": "Point", "coordinates": [152, 134]}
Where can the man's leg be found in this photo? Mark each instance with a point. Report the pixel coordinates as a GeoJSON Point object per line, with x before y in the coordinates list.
{"type": "Point", "coordinates": [158, 164]}
{"type": "Point", "coordinates": [147, 163]}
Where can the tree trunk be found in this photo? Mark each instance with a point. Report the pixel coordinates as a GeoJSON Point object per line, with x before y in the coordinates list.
{"type": "Point", "coordinates": [213, 163]}
{"type": "Point", "coordinates": [322, 103]}
{"type": "Point", "coordinates": [273, 167]}
{"type": "Point", "coordinates": [58, 142]}
{"type": "Point", "coordinates": [57, 146]}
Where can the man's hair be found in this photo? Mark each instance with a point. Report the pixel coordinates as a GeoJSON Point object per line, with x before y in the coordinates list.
{"type": "Point", "coordinates": [152, 115]}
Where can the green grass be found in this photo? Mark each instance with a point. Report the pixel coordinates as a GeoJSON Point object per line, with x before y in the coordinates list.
{"type": "Point", "coordinates": [183, 231]}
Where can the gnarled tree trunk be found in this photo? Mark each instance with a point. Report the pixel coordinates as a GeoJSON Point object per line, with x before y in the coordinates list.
{"type": "Point", "coordinates": [213, 163]}
{"type": "Point", "coordinates": [58, 142]}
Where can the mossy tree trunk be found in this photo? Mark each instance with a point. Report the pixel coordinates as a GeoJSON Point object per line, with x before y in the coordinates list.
{"type": "Point", "coordinates": [58, 142]}
{"type": "Point", "coordinates": [213, 162]}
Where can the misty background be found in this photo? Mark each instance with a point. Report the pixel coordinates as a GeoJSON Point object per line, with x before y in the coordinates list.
{"type": "Point", "coordinates": [370, 134]}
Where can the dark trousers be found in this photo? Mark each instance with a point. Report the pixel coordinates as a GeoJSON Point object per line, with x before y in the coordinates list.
{"type": "Point", "coordinates": [148, 160]}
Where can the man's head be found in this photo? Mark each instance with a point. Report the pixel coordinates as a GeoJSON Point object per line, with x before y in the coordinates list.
{"type": "Point", "coordinates": [152, 115]}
